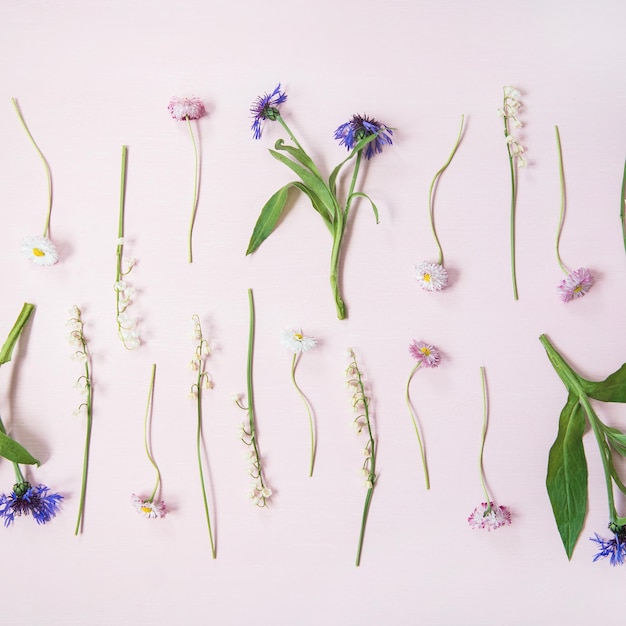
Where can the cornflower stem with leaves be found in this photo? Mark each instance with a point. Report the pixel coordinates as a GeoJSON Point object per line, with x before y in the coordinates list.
{"type": "Point", "coordinates": [146, 428]}
{"type": "Point", "coordinates": [360, 402]}
{"type": "Point", "coordinates": [566, 479]}
{"type": "Point", "coordinates": [415, 425]}
{"type": "Point", "coordinates": [307, 406]}
{"type": "Point", "coordinates": [203, 381]}
{"type": "Point", "coordinates": [355, 135]}
{"type": "Point", "coordinates": [82, 354]}
{"type": "Point", "coordinates": [46, 165]}
{"type": "Point", "coordinates": [431, 191]}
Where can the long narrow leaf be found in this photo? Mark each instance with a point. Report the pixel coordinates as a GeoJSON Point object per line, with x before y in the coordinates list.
{"type": "Point", "coordinates": [360, 194]}
{"type": "Point", "coordinates": [298, 154]}
{"type": "Point", "coordinates": [566, 480]}
{"type": "Point", "coordinates": [13, 451]}
{"type": "Point", "coordinates": [313, 181]}
{"type": "Point", "coordinates": [7, 349]}
{"type": "Point", "coordinates": [317, 205]}
{"type": "Point", "coordinates": [612, 389]}
{"type": "Point", "coordinates": [270, 214]}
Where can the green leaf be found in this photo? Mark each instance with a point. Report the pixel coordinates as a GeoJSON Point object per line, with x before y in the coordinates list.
{"type": "Point", "coordinates": [270, 214]}
{"type": "Point", "coordinates": [7, 349]}
{"type": "Point", "coordinates": [298, 154]}
{"type": "Point", "coordinates": [612, 389]}
{"type": "Point", "coordinates": [566, 479]}
{"type": "Point", "coordinates": [13, 451]}
{"type": "Point", "coordinates": [616, 438]}
{"type": "Point", "coordinates": [313, 181]}
{"type": "Point", "coordinates": [317, 205]}
{"type": "Point", "coordinates": [360, 194]}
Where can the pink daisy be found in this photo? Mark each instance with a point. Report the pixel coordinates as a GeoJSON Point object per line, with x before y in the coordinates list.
{"type": "Point", "coordinates": [183, 109]}
{"type": "Point", "coordinates": [427, 355]}
{"type": "Point", "coordinates": [490, 517]}
{"type": "Point", "coordinates": [576, 285]}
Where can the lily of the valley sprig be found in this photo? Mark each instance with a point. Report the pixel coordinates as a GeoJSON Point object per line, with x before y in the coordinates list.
{"type": "Point", "coordinates": [150, 507]}
{"type": "Point", "coordinates": [260, 492]}
{"type": "Point", "coordinates": [39, 248]}
{"type": "Point", "coordinates": [24, 499]}
{"type": "Point", "coordinates": [361, 135]}
{"type": "Point", "coordinates": [81, 354]}
{"type": "Point", "coordinates": [578, 282]}
{"type": "Point", "coordinates": [363, 422]}
{"type": "Point", "coordinates": [127, 329]}
{"type": "Point", "coordinates": [487, 515]}
{"type": "Point", "coordinates": [434, 276]}
{"type": "Point", "coordinates": [510, 107]}
{"type": "Point", "coordinates": [566, 479]}
{"type": "Point", "coordinates": [188, 110]}
{"type": "Point", "coordinates": [426, 356]}
{"type": "Point", "coordinates": [298, 343]}
{"type": "Point", "coordinates": [203, 381]}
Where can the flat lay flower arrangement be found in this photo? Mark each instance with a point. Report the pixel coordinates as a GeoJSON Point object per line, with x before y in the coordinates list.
{"type": "Point", "coordinates": [333, 200]}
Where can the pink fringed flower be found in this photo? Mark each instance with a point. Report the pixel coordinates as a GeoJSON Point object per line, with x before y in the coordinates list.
{"type": "Point", "coordinates": [427, 355]}
{"type": "Point", "coordinates": [576, 285]}
{"type": "Point", "coordinates": [183, 109]}
{"type": "Point", "coordinates": [489, 516]}
{"type": "Point", "coordinates": [151, 509]}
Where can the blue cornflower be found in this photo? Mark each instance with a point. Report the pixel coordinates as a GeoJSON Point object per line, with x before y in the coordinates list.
{"type": "Point", "coordinates": [24, 500]}
{"type": "Point", "coordinates": [265, 108]}
{"type": "Point", "coordinates": [615, 548]}
{"type": "Point", "coordinates": [361, 126]}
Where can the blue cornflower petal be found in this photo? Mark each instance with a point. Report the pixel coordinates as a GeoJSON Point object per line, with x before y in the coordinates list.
{"type": "Point", "coordinates": [614, 548]}
{"type": "Point", "coordinates": [27, 500]}
{"type": "Point", "coordinates": [265, 107]}
{"type": "Point", "coordinates": [361, 126]}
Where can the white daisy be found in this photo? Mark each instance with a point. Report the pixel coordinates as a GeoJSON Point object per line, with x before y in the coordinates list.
{"type": "Point", "coordinates": [431, 276]}
{"type": "Point", "coordinates": [297, 342]}
{"type": "Point", "coordinates": [151, 509]}
{"type": "Point", "coordinates": [40, 250]}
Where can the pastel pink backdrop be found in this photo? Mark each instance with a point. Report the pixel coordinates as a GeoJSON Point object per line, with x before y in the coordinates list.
{"type": "Point", "coordinates": [93, 76]}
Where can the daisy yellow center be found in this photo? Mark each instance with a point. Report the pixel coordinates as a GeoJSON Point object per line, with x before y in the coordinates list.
{"type": "Point", "coordinates": [425, 351]}
{"type": "Point", "coordinates": [427, 277]}
{"type": "Point", "coordinates": [298, 336]}
{"type": "Point", "coordinates": [146, 509]}
{"type": "Point", "coordinates": [578, 288]}
{"type": "Point", "coordinates": [38, 252]}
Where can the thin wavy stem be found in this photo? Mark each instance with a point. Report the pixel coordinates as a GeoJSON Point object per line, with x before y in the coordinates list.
{"type": "Point", "coordinates": [563, 199]}
{"type": "Point", "coordinates": [513, 210]}
{"type": "Point", "coordinates": [307, 406]}
{"type": "Point", "coordinates": [431, 198]}
{"type": "Point", "coordinates": [416, 427]}
{"type": "Point", "coordinates": [43, 160]}
{"type": "Point", "coordinates": [146, 428]}
{"type": "Point", "coordinates": [481, 468]}
{"type": "Point", "coordinates": [196, 181]}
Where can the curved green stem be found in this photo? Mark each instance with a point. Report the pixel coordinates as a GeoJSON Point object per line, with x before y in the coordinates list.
{"type": "Point", "coordinates": [513, 207]}
{"type": "Point", "coordinates": [194, 205]}
{"type": "Point", "coordinates": [43, 160]}
{"type": "Point", "coordinates": [431, 205]}
{"type": "Point", "coordinates": [145, 433]}
{"type": "Point", "coordinates": [308, 410]}
{"type": "Point", "coordinates": [281, 121]}
{"type": "Point", "coordinates": [416, 427]}
{"type": "Point", "coordinates": [89, 407]}
{"type": "Point", "coordinates": [622, 206]}
{"type": "Point", "coordinates": [483, 438]}
{"type": "Point", "coordinates": [563, 196]}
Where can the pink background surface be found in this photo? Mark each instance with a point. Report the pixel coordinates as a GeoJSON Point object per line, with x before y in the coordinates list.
{"type": "Point", "coordinates": [93, 76]}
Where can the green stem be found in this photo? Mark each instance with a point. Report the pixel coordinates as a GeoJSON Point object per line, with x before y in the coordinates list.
{"type": "Point", "coordinates": [563, 196]}
{"type": "Point", "coordinates": [199, 455]}
{"type": "Point", "coordinates": [481, 467]}
{"type": "Point", "coordinates": [88, 404]}
{"type": "Point", "coordinates": [14, 334]}
{"type": "Point", "coordinates": [145, 433]}
{"type": "Point", "coordinates": [194, 205]}
{"type": "Point", "coordinates": [308, 410]}
{"type": "Point", "coordinates": [415, 426]}
{"type": "Point", "coordinates": [19, 477]}
{"type": "Point", "coordinates": [622, 207]}
{"type": "Point", "coordinates": [513, 206]}
{"type": "Point", "coordinates": [355, 174]}
{"type": "Point", "coordinates": [431, 206]}
{"type": "Point", "coordinates": [335, 280]}
{"type": "Point", "coordinates": [282, 122]}
{"type": "Point", "coordinates": [43, 160]}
